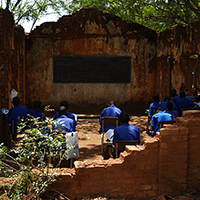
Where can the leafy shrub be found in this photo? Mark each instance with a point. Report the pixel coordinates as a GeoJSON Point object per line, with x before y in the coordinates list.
{"type": "Point", "coordinates": [28, 164]}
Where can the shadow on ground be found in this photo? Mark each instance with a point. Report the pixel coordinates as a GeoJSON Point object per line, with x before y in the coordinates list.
{"type": "Point", "coordinates": [90, 152]}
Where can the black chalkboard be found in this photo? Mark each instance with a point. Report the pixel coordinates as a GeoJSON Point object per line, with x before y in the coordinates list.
{"type": "Point", "coordinates": [91, 69]}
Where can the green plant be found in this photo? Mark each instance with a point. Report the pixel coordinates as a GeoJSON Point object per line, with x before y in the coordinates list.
{"type": "Point", "coordinates": [28, 164]}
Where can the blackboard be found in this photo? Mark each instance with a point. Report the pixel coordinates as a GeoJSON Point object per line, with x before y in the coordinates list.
{"type": "Point", "coordinates": [91, 69]}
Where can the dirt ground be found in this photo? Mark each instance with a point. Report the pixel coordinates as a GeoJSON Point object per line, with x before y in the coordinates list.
{"type": "Point", "coordinates": [89, 137]}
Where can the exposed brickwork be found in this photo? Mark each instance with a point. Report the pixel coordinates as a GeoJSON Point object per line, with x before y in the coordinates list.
{"type": "Point", "coordinates": [163, 165]}
{"type": "Point", "coordinates": [90, 32]}
{"type": "Point", "coordinates": [12, 64]}
{"type": "Point", "coordinates": [180, 43]}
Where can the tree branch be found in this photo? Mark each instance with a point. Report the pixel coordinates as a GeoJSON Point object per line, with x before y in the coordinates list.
{"type": "Point", "coordinates": [7, 4]}
{"type": "Point", "coordinates": [171, 15]}
{"type": "Point", "coordinates": [196, 11]}
{"type": "Point", "coordinates": [16, 4]}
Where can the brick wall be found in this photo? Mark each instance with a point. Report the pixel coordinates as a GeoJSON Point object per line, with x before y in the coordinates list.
{"type": "Point", "coordinates": [162, 86]}
{"type": "Point", "coordinates": [90, 32]}
{"type": "Point", "coordinates": [180, 42]}
{"type": "Point", "coordinates": [12, 64]}
{"type": "Point", "coordinates": [163, 165]}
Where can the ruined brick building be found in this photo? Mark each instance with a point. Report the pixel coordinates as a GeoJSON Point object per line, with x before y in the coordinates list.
{"type": "Point", "coordinates": [90, 57]}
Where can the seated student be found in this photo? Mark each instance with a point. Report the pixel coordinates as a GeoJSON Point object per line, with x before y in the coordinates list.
{"type": "Point", "coordinates": [125, 132]}
{"type": "Point", "coordinates": [69, 115]}
{"type": "Point", "coordinates": [164, 103]}
{"type": "Point", "coordinates": [158, 117]}
{"type": "Point", "coordinates": [36, 111]}
{"type": "Point", "coordinates": [16, 114]}
{"type": "Point", "coordinates": [156, 103]}
{"type": "Point", "coordinates": [64, 123]}
{"type": "Point", "coordinates": [111, 111]}
{"type": "Point", "coordinates": [183, 102]}
{"type": "Point", "coordinates": [174, 95]}
{"type": "Point", "coordinates": [170, 110]}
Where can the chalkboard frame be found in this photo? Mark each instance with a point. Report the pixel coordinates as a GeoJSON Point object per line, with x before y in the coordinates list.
{"type": "Point", "coordinates": [91, 69]}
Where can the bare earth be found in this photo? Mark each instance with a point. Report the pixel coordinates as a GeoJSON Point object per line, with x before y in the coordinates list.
{"type": "Point", "coordinates": [89, 137]}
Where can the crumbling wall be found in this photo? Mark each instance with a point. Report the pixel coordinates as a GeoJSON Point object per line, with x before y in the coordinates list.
{"type": "Point", "coordinates": [191, 121]}
{"type": "Point", "coordinates": [163, 165]}
{"type": "Point", "coordinates": [12, 64]}
{"type": "Point", "coordinates": [181, 43]}
{"type": "Point", "coordinates": [90, 32]}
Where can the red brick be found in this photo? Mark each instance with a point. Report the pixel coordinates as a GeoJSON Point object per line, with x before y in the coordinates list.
{"type": "Point", "coordinates": [184, 130]}
{"type": "Point", "coordinates": [179, 138]}
{"type": "Point", "coordinates": [193, 122]}
{"type": "Point", "coordinates": [169, 131]}
{"type": "Point", "coordinates": [152, 193]}
{"type": "Point", "coordinates": [163, 146]}
{"type": "Point", "coordinates": [180, 152]}
{"type": "Point", "coordinates": [155, 186]}
{"type": "Point", "coordinates": [142, 194]}
{"type": "Point", "coordinates": [164, 152]}
{"type": "Point", "coordinates": [152, 167]}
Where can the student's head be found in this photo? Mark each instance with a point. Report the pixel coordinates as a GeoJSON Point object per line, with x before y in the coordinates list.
{"type": "Point", "coordinates": [37, 104]}
{"type": "Point", "coordinates": [167, 98]}
{"type": "Point", "coordinates": [16, 101]}
{"type": "Point", "coordinates": [182, 94]}
{"type": "Point", "coordinates": [173, 92]}
{"type": "Point", "coordinates": [62, 111]}
{"type": "Point", "coordinates": [124, 117]}
{"type": "Point", "coordinates": [156, 97]}
{"type": "Point", "coordinates": [112, 103]}
{"type": "Point", "coordinates": [169, 105]}
{"type": "Point", "coordinates": [65, 103]}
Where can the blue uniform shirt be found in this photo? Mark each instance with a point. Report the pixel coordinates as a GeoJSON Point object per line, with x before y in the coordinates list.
{"type": "Point", "coordinates": [172, 112]}
{"type": "Point", "coordinates": [174, 100]}
{"type": "Point", "coordinates": [36, 113]}
{"type": "Point", "coordinates": [164, 103]}
{"type": "Point", "coordinates": [182, 103]}
{"type": "Point", "coordinates": [16, 113]}
{"type": "Point", "coordinates": [64, 123]}
{"type": "Point", "coordinates": [126, 132]}
{"type": "Point", "coordinates": [153, 105]}
{"type": "Point", "coordinates": [69, 115]}
{"type": "Point", "coordinates": [111, 111]}
{"type": "Point", "coordinates": [158, 117]}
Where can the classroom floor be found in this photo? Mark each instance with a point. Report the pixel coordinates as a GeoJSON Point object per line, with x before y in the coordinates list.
{"type": "Point", "coordinates": [89, 137]}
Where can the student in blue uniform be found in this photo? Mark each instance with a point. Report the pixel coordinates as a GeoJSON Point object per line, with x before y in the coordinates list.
{"type": "Point", "coordinates": [175, 96]}
{"type": "Point", "coordinates": [16, 114]}
{"type": "Point", "coordinates": [64, 123]}
{"type": "Point", "coordinates": [125, 132]}
{"type": "Point", "coordinates": [36, 111]}
{"type": "Point", "coordinates": [69, 115]}
{"type": "Point", "coordinates": [111, 111]}
{"type": "Point", "coordinates": [158, 117]}
{"type": "Point", "coordinates": [164, 103]}
{"type": "Point", "coordinates": [182, 102]}
{"type": "Point", "coordinates": [156, 103]}
{"type": "Point", "coordinates": [170, 110]}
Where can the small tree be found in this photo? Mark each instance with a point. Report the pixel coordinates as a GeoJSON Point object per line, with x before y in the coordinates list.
{"type": "Point", "coordinates": [28, 163]}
